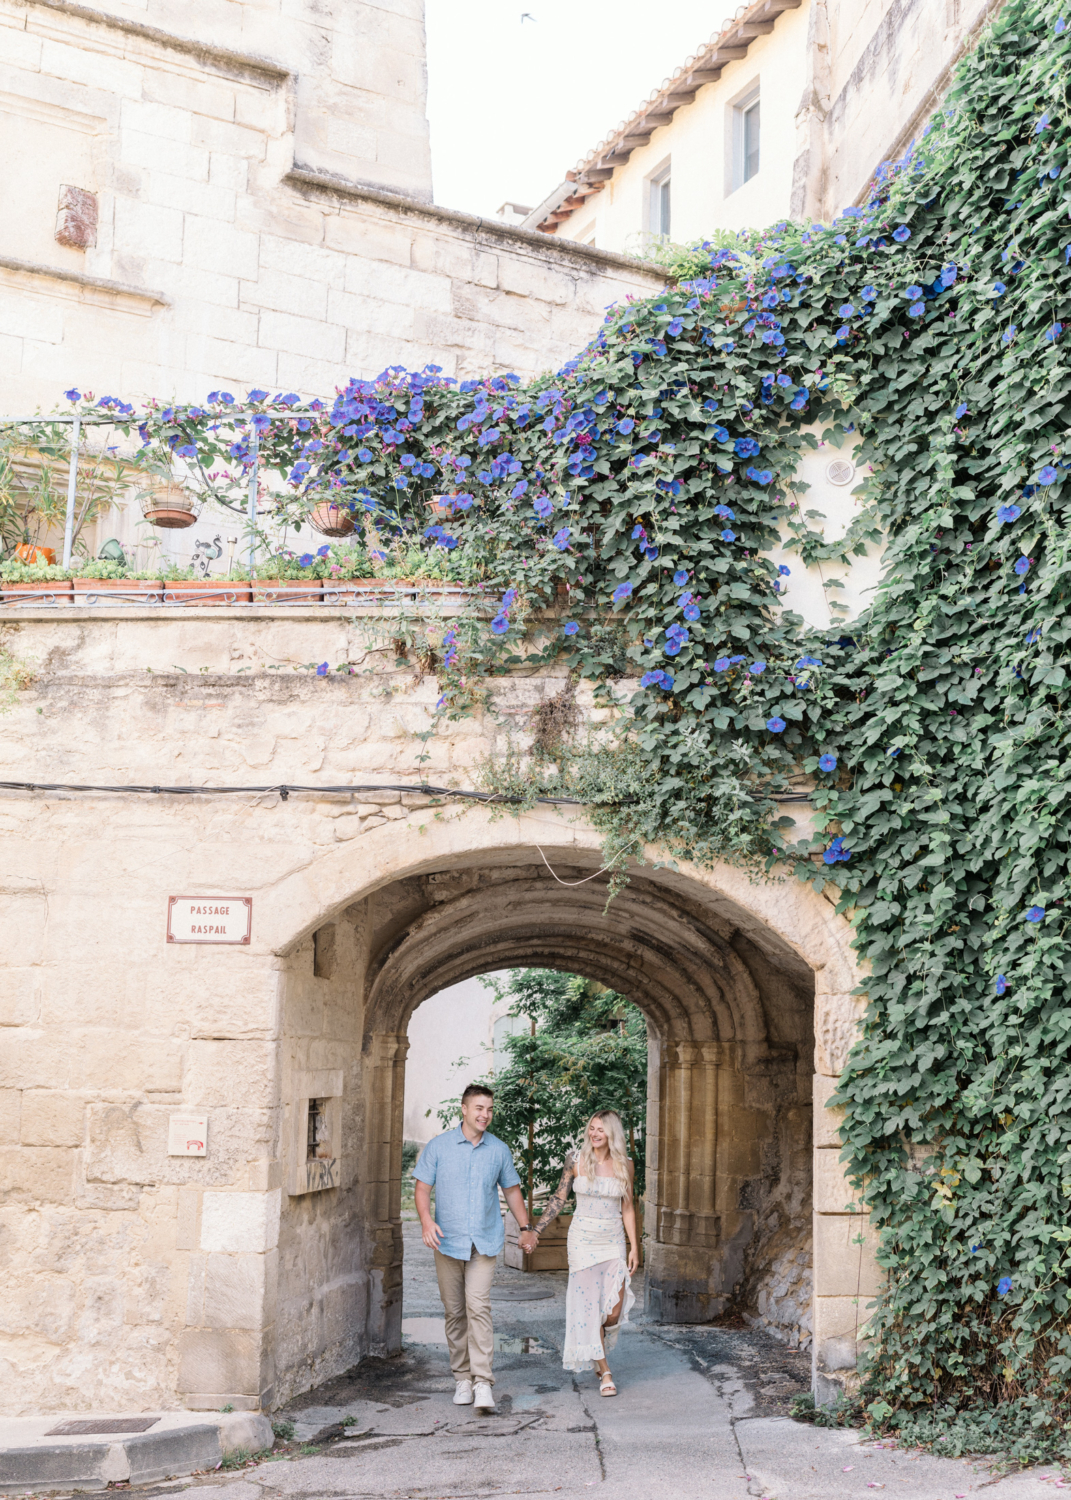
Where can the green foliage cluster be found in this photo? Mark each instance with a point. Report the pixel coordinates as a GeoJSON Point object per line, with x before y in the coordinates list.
{"type": "Point", "coordinates": [635, 499]}
{"type": "Point", "coordinates": [585, 1049]}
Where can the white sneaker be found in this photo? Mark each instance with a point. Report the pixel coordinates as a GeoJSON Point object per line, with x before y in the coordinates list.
{"type": "Point", "coordinates": [484, 1400]}
{"type": "Point", "coordinates": [463, 1394]}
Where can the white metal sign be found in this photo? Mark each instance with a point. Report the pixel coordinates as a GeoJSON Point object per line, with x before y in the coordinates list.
{"type": "Point", "coordinates": [209, 919]}
{"type": "Point", "coordinates": [187, 1135]}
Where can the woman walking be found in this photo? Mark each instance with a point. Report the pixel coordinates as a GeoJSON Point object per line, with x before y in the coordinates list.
{"type": "Point", "coordinates": [599, 1294]}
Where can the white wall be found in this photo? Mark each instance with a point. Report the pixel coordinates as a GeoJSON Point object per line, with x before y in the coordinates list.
{"type": "Point", "coordinates": [449, 1046]}
{"type": "Point", "coordinates": [698, 141]}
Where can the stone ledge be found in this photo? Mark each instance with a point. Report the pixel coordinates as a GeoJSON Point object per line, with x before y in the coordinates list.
{"type": "Point", "coordinates": [547, 247]}
{"type": "Point", "coordinates": [37, 269]}
{"type": "Point", "coordinates": [179, 1443]}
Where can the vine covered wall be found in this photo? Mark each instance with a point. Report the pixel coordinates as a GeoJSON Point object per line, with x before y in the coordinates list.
{"type": "Point", "coordinates": [618, 516]}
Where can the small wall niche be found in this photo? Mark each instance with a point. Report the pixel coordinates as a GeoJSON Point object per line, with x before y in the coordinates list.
{"type": "Point", "coordinates": [323, 951]}
{"type": "Point", "coordinates": [315, 1145]}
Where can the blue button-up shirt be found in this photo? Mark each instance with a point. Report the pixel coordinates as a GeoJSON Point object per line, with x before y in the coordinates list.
{"type": "Point", "coordinates": [466, 1179]}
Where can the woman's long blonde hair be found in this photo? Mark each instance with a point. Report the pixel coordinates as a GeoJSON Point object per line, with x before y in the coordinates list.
{"type": "Point", "coordinates": [586, 1165]}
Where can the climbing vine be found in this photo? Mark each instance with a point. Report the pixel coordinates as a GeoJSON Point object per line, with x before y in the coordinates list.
{"type": "Point", "coordinates": [619, 516]}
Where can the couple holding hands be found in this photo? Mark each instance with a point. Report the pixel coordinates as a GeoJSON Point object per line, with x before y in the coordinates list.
{"type": "Point", "coordinates": [467, 1166]}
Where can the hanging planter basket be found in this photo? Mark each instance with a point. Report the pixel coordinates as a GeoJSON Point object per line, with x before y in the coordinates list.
{"type": "Point", "coordinates": [170, 507]}
{"type": "Point", "coordinates": [331, 519]}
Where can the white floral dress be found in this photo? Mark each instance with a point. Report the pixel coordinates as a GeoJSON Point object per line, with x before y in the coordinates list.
{"type": "Point", "coordinates": [597, 1271]}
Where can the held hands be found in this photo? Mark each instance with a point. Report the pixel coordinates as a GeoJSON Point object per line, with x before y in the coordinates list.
{"type": "Point", "coordinates": [528, 1240]}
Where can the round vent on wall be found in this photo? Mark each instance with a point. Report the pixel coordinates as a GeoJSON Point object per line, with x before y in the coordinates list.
{"type": "Point", "coordinates": [840, 471]}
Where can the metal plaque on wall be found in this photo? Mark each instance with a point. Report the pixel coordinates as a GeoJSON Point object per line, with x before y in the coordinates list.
{"type": "Point", "coordinates": [209, 919]}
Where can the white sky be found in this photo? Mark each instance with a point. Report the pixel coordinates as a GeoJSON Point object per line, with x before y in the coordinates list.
{"type": "Point", "coordinates": [513, 104]}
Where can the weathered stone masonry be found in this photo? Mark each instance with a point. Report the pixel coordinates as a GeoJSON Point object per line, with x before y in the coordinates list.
{"type": "Point", "coordinates": [138, 1279]}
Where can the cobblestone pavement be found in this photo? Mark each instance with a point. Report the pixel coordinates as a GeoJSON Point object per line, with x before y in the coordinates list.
{"type": "Point", "coordinates": [702, 1412]}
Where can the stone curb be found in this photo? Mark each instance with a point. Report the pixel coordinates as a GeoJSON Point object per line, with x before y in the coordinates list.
{"type": "Point", "coordinates": [182, 1443]}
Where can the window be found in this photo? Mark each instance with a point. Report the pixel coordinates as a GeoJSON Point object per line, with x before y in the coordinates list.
{"type": "Point", "coordinates": [746, 123]}
{"type": "Point", "coordinates": [504, 1027]}
{"type": "Point", "coordinates": [658, 212]}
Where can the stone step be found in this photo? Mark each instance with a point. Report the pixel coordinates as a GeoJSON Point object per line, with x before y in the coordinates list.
{"type": "Point", "coordinates": [82, 1451]}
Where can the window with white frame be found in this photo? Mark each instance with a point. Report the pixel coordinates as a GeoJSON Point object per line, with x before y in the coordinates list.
{"type": "Point", "coordinates": [658, 209]}
{"type": "Point", "coordinates": [746, 127]}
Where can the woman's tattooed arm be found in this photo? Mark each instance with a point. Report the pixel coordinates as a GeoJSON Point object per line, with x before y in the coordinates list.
{"type": "Point", "coordinates": [561, 1193]}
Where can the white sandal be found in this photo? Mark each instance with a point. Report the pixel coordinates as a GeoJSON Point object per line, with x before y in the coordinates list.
{"type": "Point", "coordinates": [606, 1384]}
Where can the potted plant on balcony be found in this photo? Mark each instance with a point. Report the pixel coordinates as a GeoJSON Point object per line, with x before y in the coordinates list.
{"type": "Point", "coordinates": [291, 579]}
{"type": "Point", "coordinates": [105, 581]}
{"type": "Point", "coordinates": [187, 586]}
{"type": "Point", "coordinates": [34, 583]}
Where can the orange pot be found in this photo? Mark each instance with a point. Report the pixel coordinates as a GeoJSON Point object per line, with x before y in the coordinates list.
{"type": "Point", "coordinates": [169, 520]}
{"type": "Point", "coordinates": [117, 590]}
{"type": "Point", "coordinates": [287, 591]}
{"type": "Point", "coordinates": [210, 591]}
{"type": "Point", "coordinates": [58, 592]}
{"type": "Point", "coordinates": [28, 553]}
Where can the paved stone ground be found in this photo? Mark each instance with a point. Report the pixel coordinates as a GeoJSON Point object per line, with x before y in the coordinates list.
{"type": "Point", "coordinates": [701, 1413]}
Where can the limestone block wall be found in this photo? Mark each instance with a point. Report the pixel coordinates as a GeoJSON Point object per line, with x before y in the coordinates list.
{"type": "Point", "coordinates": [141, 1279]}
{"type": "Point", "coordinates": [263, 212]}
{"type": "Point", "coordinates": [878, 70]}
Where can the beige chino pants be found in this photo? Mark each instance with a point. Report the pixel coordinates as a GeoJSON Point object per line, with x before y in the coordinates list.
{"type": "Point", "coordinates": [465, 1287]}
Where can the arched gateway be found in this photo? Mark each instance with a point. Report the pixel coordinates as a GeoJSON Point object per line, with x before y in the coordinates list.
{"type": "Point", "coordinates": [254, 1271]}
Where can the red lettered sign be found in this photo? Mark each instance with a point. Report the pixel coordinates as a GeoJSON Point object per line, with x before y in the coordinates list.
{"type": "Point", "coordinates": [209, 919]}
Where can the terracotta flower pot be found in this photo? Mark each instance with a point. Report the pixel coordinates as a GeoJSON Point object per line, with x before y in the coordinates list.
{"type": "Point", "coordinates": [30, 554]}
{"type": "Point", "coordinates": [287, 591]}
{"type": "Point", "coordinates": [733, 307]}
{"type": "Point", "coordinates": [170, 507]}
{"type": "Point", "coordinates": [330, 519]}
{"type": "Point", "coordinates": [47, 592]}
{"type": "Point", "coordinates": [117, 590]}
{"type": "Point", "coordinates": [441, 505]}
{"type": "Point", "coordinates": [207, 591]}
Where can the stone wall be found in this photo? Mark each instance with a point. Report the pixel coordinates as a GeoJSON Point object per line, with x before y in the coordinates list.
{"type": "Point", "coordinates": [139, 1279]}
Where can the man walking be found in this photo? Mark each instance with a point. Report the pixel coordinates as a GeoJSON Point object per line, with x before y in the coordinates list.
{"type": "Point", "coordinates": [466, 1166]}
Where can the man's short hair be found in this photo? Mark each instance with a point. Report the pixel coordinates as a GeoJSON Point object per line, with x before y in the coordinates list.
{"type": "Point", "coordinates": [477, 1088]}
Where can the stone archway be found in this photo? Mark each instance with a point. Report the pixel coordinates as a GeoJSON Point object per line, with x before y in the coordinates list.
{"type": "Point", "coordinates": [746, 988]}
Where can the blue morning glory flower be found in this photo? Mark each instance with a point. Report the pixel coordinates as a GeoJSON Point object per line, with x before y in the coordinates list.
{"type": "Point", "coordinates": [783, 570]}
{"type": "Point", "coordinates": [1004, 1286]}
{"type": "Point", "coordinates": [722, 664]}
{"type": "Point", "coordinates": [365, 455]}
{"type": "Point", "coordinates": [902, 234]}
{"type": "Point", "coordinates": [1002, 984]}
{"type": "Point", "coordinates": [869, 294]}
{"type": "Point", "coordinates": [622, 591]}
{"type": "Point", "coordinates": [1007, 513]}
{"type": "Point", "coordinates": [917, 309]}
{"type": "Point", "coordinates": [999, 289]}
{"type": "Point", "coordinates": [691, 611]}
{"type": "Point", "coordinates": [561, 538]}
{"type": "Point", "coordinates": [571, 628]}
{"type": "Point", "coordinates": [651, 679]}
{"type": "Point", "coordinates": [746, 447]}
{"type": "Point", "coordinates": [1060, 27]}
{"type": "Point", "coordinates": [638, 531]}
{"type": "Point", "coordinates": [1042, 124]}
{"type": "Point", "coordinates": [625, 425]}
{"type": "Point", "coordinates": [827, 762]}
{"type": "Point", "coordinates": [961, 410]}
{"type": "Point", "coordinates": [1047, 475]}
{"type": "Point", "coordinates": [1035, 914]}
{"type": "Point", "coordinates": [913, 293]}
{"type": "Point", "coordinates": [500, 624]}
{"type": "Point", "coordinates": [893, 753]}
{"type": "Point", "coordinates": [675, 327]}
{"type": "Point", "coordinates": [757, 667]}
{"type": "Point", "coordinates": [322, 669]}
{"type": "Point", "coordinates": [1006, 338]}
{"type": "Point", "coordinates": [680, 577]}
{"type": "Point", "coordinates": [728, 346]}
{"type": "Point", "coordinates": [1022, 565]}
{"type": "Point", "coordinates": [728, 536]}
{"type": "Point", "coordinates": [725, 513]}
{"type": "Point", "coordinates": [846, 310]}
{"type": "Point", "coordinates": [775, 725]}
{"type": "Point", "coordinates": [73, 395]}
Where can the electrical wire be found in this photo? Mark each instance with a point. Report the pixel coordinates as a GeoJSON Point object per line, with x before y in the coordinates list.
{"type": "Point", "coordinates": [284, 790]}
